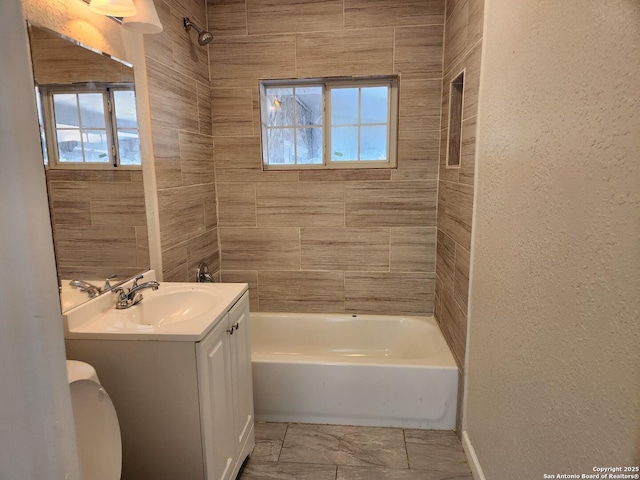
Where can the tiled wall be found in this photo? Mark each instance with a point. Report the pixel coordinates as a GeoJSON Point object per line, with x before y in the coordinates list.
{"type": "Point", "coordinates": [179, 95]}
{"type": "Point", "coordinates": [462, 51]}
{"type": "Point", "coordinates": [328, 241]}
{"type": "Point", "coordinates": [99, 223]}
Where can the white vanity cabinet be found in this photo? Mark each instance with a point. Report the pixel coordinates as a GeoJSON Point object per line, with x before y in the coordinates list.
{"type": "Point", "coordinates": [224, 360]}
{"type": "Point", "coordinates": [185, 407]}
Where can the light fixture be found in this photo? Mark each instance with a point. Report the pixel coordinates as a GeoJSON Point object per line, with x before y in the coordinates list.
{"type": "Point", "coordinates": [146, 19]}
{"type": "Point", "coordinates": [113, 8]}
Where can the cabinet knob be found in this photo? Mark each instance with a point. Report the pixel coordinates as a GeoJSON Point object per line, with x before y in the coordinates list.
{"type": "Point", "coordinates": [236, 326]}
{"type": "Point", "coordinates": [230, 330]}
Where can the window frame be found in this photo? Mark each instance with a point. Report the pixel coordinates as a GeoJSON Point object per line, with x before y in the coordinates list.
{"type": "Point", "coordinates": [107, 90]}
{"type": "Point", "coordinates": [327, 84]}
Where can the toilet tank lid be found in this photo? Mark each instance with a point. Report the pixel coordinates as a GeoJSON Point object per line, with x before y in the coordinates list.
{"type": "Point", "coordinates": [81, 371]}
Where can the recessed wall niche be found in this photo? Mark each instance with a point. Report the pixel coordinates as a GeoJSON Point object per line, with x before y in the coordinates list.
{"type": "Point", "coordinates": [454, 143]}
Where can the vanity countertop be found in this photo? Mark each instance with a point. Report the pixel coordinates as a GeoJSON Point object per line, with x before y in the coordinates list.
{"type": "Point", "coordinates": [173, 312]}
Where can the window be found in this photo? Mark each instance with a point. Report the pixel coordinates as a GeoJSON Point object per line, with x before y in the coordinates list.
{"type": "Point", "coordinates": [329, 123]}
{"type": "Point", "coordinates": [90, 125]}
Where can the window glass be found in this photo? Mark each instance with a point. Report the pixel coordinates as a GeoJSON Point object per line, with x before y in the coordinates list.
{"type": "Point", "coordinates": [92, 110]}
{"type": "Point", "coordinates": [309, 146]}
{"type": "Point", "coordinates": [308, 105]}
{"type": "Point", "coordinates": [344, 106]}
{"type": "Point", "coordinates": [65, 107]}
{"type": "Point", "coordinates": [129, 147]}
{"type": "Point", "coordinates": [330, 123]}
{"type": "Point", "coordinates": [125, 108]}
{"type": "Point", "coordinates": [374, 105]}
{"type": "Point", "coordinates": [84, 130]}
{"type": "Point", "coordinates": [373, 143]}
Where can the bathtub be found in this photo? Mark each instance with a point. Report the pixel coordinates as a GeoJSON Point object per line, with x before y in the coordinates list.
{"type": "Point", "coordinates": [367, 370]}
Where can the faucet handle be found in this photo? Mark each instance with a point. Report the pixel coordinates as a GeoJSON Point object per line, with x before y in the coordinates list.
{"type": "Point", "coordinates": [135, 280]}
{"type": "Point", "coordinates": [107, 284]}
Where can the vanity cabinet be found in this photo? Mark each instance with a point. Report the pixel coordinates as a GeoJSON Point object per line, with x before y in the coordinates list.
{"type": "Point", "coordinates": [224, 360]}
{"type": "Point", "coordinates": [185, 407]}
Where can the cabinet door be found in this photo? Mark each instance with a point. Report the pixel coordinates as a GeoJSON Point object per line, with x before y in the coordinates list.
{"type": "Point", "coordinates": [241, 368]}
{"type": "Point", "coordinates": [215, 387]}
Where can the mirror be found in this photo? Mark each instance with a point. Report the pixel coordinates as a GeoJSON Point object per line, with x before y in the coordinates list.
{"type": "Point", "coordinates": [88, 125]}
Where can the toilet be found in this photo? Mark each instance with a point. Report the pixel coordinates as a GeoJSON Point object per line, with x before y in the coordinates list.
{"type": "Point", "coordinates": [97, 428]}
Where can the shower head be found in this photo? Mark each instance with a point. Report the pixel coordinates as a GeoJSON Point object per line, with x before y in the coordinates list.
{"type": "Point", "coordinates": [204, 37]}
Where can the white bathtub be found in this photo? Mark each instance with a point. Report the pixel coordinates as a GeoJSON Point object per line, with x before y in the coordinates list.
{"type": "Point", "coordinates": [352, 370]}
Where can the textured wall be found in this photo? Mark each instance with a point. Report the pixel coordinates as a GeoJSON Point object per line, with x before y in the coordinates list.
{"type": "Point", "coordinates": [462, 51]}
{"type": "Point", "coordinates": [554, 337]}
{"type": "Point", "coordinates": [328, 241]}
{"type": "Point", "coordinates": [179, 97]}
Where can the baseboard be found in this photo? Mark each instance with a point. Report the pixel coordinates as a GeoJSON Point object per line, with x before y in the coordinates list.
{"type": "Point", "coordinates": [472, 458]}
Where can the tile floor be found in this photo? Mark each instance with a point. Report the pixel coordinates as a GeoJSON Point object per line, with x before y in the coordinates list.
{"type": "Point", "coordinates": [329, 452]}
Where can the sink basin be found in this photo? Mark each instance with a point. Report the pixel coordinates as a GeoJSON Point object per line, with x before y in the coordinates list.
{"type": "Point", "coordinates": [168, 305]}
{"type": "Point", "coordinates": [176, 311]}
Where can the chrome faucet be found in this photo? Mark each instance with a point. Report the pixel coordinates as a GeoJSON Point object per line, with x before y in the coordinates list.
{"type": "Point", "coordinates": [133, 295]}
{"type": "Point", "coordinates": [203, 275]}
{"type": "Point", "coordinates": [86, 287]}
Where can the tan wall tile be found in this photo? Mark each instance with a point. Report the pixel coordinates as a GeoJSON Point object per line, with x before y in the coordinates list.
{"type": "Point", "coordinates": [455, 35]}
{"type": "Point", "coordinates": [237, 205]}
{"type": "Point", "coordinates": [344, 249]}
{"type": "Point", "coordinates": [418, 51]}
{"type": "Point", "coordinates": [292, 204]}
{"type": "Point", "coordinates": [196, 158]}
{"type": "Point", "coordinates": [445, 260]}
{"type": "Point", "coordinates": [461, 278]}
{"type": "Point", "coordinates": [378, 13]}
{"type": "Point", "coordinates": [181, 212]}
{"type": "Point", "coordinates": [227, 17]}
{"type": "Point", "coordinates": [287, 16]}
{"type": "Point", "coordinates": [389, 293]}
{"type": "Point", "coordinates": [241, 61]}
{"type": "Point", "coordinates": [203, 248]}
{"type": "Point", "coordinates": [455, 207]}
{"type": "Point", "coordinates": [472, 82]}
{"type": "Point", "coordinates": [89, 175]}
{"type": "Point", "coordinates": [188, 57]}
{"type": "Point", "coordinates": [259, 248]}
{"type": "Point", "coordinates": [249, 277]}
{"type": "Point", "coordinates": [413, 249]}
{"type": "Point", "coordinates": [76, 245]}
{"type": "Point", "coordinates": [68, 202]}
{"type": "Point", "coordinates": [239, 159]}
{"type": "Point", "coordinates": [301, 291]}
{"type": "Point", "coordinates": [172, 98]}
{"type": "Point", "coordinates": [390, 204]}
{"type": "Point", "coordinates": [117, 204]}
{"type": "Point", "coordinates": [160, 46]}
{"type": "Point", "coordinates": [204, 108]}
{"type": "Point", "coordinates": [420, 106]}
{"type": "Point", "coordinates": [348, 52]}
{"type": "Point", "coordinates": [210, 206]}
{"type": "Point", "coordinates": [232, 111]}
{"type": "Point", "coordinates": [418, 157]}
{"type": "Point", "coordinates": [475, 22]}
{"type": "Point", "coordinates": [174, 264]}
{"type": "Point", "coordinates": [453, 323]}
{"type": "Point", "coordinates": [142, 248]}
{"type": "Point", "coordinates": [166, 152]}
{"type": "Point", "coordinates": [468, 151]}
{"type": "Point", "coordinates": [345, 175]}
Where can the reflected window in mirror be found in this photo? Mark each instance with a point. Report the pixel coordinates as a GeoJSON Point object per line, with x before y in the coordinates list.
{"type": "Point", "coordinates": [89, 125]}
